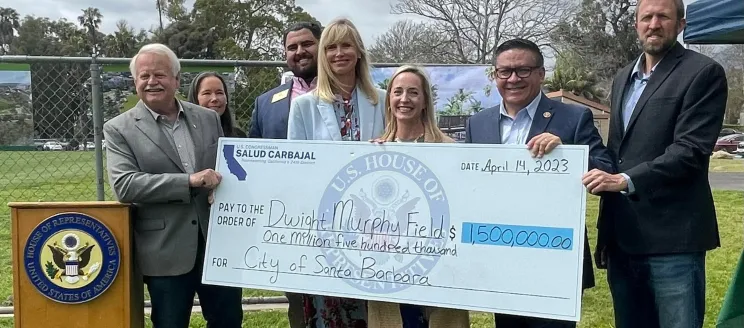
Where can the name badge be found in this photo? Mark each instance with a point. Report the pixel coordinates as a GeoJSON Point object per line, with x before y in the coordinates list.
{"type": "Point", "coordinates": [279, 96]}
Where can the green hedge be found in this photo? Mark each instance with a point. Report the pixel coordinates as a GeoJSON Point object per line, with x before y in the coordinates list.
{"type": "Point", "coordinates": [17, 148]}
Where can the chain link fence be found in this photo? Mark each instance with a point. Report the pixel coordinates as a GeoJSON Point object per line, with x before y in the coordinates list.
{"type": "Point", "coordinates": [52, 111]}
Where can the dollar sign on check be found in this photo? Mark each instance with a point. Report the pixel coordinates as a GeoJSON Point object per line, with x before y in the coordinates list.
{"type": "Point", "coordinates": [452, 233]}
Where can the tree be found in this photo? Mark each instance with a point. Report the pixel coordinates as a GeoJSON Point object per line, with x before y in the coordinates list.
{"type": "Point", "coordinates": [474, 28]}
{"type": "Point", "coordinates": [212, 29]}
{"type": "Point", "coordinates": [160, 5]}
{"type": "Point", "coordinates": [297, 14]}
{"type": "Point", "coordinates": [602, 36]}
{"type": "Point", "coordinates": [569, 75]}
{"type": "Point", "coordinates": [9, 25]}
{"type": "Point", "coordinates": [175, 10]}
{"type": "Point", "coordinates": [124, 42]}
{"type": "Point", "coordinates": [91, 20]}
{"type": "Point", "coordinates": [16, 130]}
{"type": "Point", "coordinates": [456, 104]}
{"type": "Point", "coordinates": [710, 50]}
{"type": "Point", "coordinates": [733, 63]}
{"type": "Point", "coordinates": [735, 102]}
{"type": "Point", "coordinates": [58, 91]}
{"type": "Point", "coordinates": [189, 41]}
{"type": "Point", "coordinates": [229, 29]}
{"type": "Point", "coordinates": [409, 42]}
{"type": "Point", "coordinates": [72, 39]}
{"type": "Point", "coordinates": [384, 84]}
{"type": "Point", "coordinates": [434, 94]}
{"type": "Point", "coordinates": [35, 37]}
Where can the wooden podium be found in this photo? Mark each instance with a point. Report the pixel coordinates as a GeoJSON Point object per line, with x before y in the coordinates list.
{"type": "Point", "coordinates": [73, 266]}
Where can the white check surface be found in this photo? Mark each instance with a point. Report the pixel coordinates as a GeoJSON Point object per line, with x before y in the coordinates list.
{"type": "Point", "coordinates": [476, 227]}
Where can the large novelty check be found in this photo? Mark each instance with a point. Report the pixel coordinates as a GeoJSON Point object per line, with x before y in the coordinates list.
{"type": "Point", "coordinates": [475, 227]}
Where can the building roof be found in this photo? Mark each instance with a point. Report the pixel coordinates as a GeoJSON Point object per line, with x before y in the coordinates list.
{"type": "Point", "coordinates": [565, 94]}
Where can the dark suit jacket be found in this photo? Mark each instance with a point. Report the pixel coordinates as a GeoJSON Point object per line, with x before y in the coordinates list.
{"type": "Point", "coordinates": [269, 119]}
{"type": "Point", "coordinates": [665, 152]}
{"type": "Point", "coordinates": [573, 124]}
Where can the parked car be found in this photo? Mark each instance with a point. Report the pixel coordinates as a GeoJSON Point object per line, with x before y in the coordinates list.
{"type": "Point", "coordinates": [39, 143]}
{"type": "Point", "coordinates": [88, 145]}
{"type": "Point", "coordinates": [728, 131]}
{"type": "Point", "coordinates": [729, 143]}
{"type": "Point", "coordinates": [52, 145]}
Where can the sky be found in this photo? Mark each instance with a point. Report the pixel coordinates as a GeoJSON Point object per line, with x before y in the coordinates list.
{"type": "Point", "coordinates": [372, 18]}
{"type": "Point", "coordinates": [449, 79]}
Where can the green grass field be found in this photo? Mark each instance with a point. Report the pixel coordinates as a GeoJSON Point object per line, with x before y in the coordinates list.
{"type": "Point", "coordinates": [70, 176]}
{"type": "Point", "coordinates": [726, 165]}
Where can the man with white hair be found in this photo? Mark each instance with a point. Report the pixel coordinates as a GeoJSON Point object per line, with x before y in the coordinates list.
{"type": "Point", "coordinates": [160, 157]}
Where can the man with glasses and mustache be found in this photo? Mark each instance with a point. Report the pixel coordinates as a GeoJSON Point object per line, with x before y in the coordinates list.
{"type": "Point", "coordinates": [160, 156]}
{"type": "Point", "coordinates": [657, 218]}
{"type": "Point", "coordinates": [271, 111]}
{"type": "Point", "coordinates": [526, 116]}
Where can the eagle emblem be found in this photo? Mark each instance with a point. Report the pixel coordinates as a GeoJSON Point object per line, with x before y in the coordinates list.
{"type": "Point", "coordinates": [385, 202]}
{"type": "Point", "coordinates": [70, 260]}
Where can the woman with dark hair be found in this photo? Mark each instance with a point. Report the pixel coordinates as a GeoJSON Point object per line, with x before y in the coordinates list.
{"type": "Point", "coordinates": [209, 90]}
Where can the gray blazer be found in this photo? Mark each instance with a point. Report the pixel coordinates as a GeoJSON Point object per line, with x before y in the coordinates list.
{"type": "Point", "coordinates": [310, 118]}
{"type": "Point", "coordinates": [145, 170]}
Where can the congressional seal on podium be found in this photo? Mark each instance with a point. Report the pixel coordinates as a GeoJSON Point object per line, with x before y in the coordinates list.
{"type": "Point", "coordinates": [71, 258]}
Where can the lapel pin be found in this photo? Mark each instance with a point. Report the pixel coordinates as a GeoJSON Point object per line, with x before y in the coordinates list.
{"type": "Point", "coordinates": [194, 126]}
{"type": "Point", "coordinates": [547, 115]}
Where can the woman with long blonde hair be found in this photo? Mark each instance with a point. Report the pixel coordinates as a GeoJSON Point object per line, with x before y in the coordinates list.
{"type": "Point", "coordinates": [345, 105]}
{"type": "Point", "coordinates": [409, 108]}
{"type": "Point", "coordinates": [409, 117]}
{"type": "Point", "coordinates": [344, 90]}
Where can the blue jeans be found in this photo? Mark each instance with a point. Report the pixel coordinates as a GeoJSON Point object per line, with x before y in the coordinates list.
{"type": "Point", "coordinates": [658, 291]}
{"type": "Point", "coordinates": [512, 321]}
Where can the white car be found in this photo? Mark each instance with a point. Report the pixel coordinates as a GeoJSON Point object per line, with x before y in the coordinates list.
{"type": "Point", "coordinates": [89, 145]}
{"type": "Point", "coordinates": [52, 145]}
{"type": "Point", "coordinates": [740, 149]}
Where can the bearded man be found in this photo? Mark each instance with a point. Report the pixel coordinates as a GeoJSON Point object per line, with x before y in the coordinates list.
{"type": "Point", "coordinates": [271, 111]}
{"type": "Point", "coordinates": [657, 218]}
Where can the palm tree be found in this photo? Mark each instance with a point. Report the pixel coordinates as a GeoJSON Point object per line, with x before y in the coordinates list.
{"type": "Point", "coordinates": [383, 84]}
{"type": "Point", "coordinates": [434, 94]}
{"type": "Point", "coordinates": [122, 42]}
{"type": "Point", "coordinates": [160, 5]}
{"type": "Point", "coordinates": [569, 75]}
{"type": "Point", "coordinates": [91, 21]}
{"type": "Point", "coordinates": [576, 81]}
{"type": "Point", "coordinates": [456, 104]}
